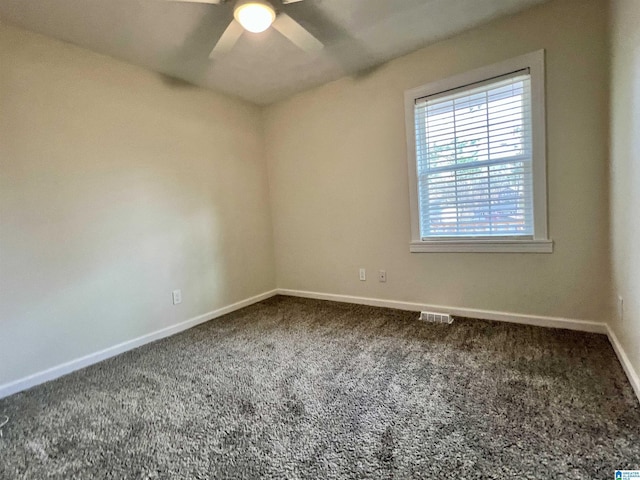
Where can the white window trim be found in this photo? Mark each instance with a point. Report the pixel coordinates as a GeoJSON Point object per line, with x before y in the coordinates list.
{"type": "Point", "coordinates": [540, 243]}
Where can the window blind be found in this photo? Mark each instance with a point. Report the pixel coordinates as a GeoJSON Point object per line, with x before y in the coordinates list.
{"type": "Point", "coordinates": [474, 160]}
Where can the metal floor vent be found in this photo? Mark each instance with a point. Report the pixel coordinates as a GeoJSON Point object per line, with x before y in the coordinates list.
{"type": "Point", "coordinates": [435, 317]}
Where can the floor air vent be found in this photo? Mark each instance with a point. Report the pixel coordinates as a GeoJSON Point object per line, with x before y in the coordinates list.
{"type": "Point", "coordinates": [434, 317]}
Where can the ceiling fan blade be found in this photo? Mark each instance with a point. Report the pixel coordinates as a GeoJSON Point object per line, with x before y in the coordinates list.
{"type": "Point", "coordinates": [227, 40]}
{"type": "Point", "coordinates": [285, 2]}
{"type": "Point", "coordinates": [297, 34]}
{"type": "Point", "coordinates": [354, 60]}
{"type": "Point", "coordinates": [212, 2]}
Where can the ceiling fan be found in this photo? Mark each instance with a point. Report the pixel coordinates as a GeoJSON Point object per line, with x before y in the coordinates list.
{"type": "Point", "coordinates": [256, 16]}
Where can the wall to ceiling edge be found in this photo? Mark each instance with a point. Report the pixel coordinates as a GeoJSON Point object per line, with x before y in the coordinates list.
{"type": "Point", "coordinates": [339, 185]}
{"type": "Point", "coordinates": [116, 188]}
{"type": "Point", "coordinates": [99, 222]}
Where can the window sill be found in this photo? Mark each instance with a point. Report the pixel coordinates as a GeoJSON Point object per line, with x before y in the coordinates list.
{"type": "Point", "coordinates": [482, 246]}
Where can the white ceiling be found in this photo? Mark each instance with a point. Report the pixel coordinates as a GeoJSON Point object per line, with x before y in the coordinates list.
{"type": "Point", "coordinates": [175, 38]}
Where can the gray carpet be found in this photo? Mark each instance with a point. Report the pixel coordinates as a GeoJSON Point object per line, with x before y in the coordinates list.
{"type": "Point", "coordinates": [294, 388]}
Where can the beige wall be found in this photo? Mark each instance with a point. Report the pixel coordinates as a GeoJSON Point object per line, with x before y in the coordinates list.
{"type": "Point", "coordinates": [115, 189]}
{"type": "Point", "coordinates": [625, 171]}
{"type": "Point", "coordinates": [339, 186]}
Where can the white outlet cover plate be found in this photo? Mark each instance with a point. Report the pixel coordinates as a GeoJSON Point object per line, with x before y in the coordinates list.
{"type": "Point", "coordinates": [177, 297]}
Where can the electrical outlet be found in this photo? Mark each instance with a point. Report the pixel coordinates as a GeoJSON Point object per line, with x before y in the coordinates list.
{"type": "Point", "coordinates": [363, 274]}
{"type": "Point", "coordinates": [382, 276]}
{"type": "Point", "coordinates": [177, 296]}
{"type": "Point", "coordinates": [620, 309]}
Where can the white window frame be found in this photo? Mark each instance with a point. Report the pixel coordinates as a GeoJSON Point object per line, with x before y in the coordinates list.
{"type": "Point", "coordinates": [540, 243]}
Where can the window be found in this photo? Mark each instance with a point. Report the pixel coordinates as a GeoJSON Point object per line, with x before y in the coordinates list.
{"type": "Point", "coordinates": [477, 166]}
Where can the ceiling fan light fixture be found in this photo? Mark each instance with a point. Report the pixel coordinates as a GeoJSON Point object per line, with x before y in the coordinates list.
{"type": "Point", "coordinates": [254, 15]}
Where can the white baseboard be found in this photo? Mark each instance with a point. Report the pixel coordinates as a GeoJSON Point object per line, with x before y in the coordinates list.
{"type": "Point", "coordinates": [632, 375]}
{"type": "Point", "coordinates": [77, 364]}
{"type": "Point", "coordinates": [536, 320]}
{"type": "Point", "coordinates": [540, 321]}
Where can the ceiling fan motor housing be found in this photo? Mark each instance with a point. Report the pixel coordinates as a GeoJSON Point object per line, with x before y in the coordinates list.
{"type": "Point", "coordinates": [254, 15]}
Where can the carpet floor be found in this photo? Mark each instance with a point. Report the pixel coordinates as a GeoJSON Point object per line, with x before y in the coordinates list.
{"type": "Point", "coordinates": [295, 388]}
